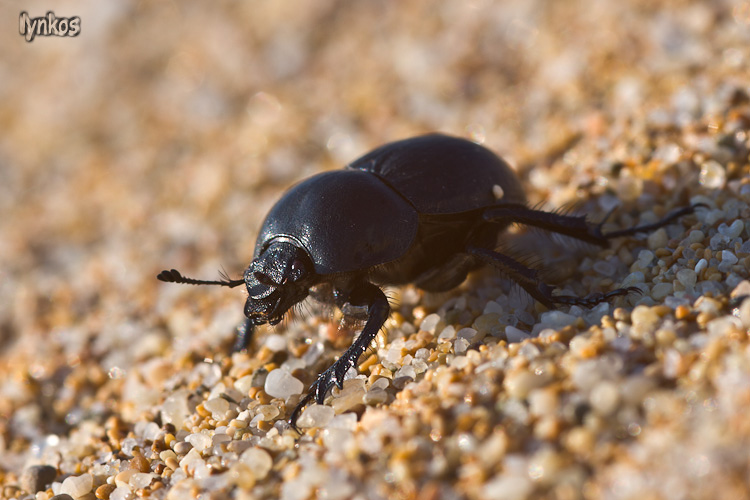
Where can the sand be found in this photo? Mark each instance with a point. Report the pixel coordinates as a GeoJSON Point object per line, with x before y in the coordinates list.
{"type": "Point", "coordinates": [160, 136]}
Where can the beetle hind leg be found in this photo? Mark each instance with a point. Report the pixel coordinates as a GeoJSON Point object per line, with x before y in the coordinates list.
{"type": "Point", "coordinates": [574, 226]}
{"type": "Point", "coordinates": [530, 281]}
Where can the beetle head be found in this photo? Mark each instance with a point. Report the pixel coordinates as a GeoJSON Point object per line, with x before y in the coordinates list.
{"type": "Point", "coordinates": [276, 280]}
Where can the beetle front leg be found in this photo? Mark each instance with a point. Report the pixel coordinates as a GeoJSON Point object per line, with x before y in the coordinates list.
{"type": "Point", "coordinates": [530, 281]}
{"type": "Point", "coordinates": [364, 294]}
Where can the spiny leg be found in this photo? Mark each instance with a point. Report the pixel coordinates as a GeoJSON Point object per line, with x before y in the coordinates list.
{"type": "Point", "coordinates": [364, 294]}
{"type": "Point", "coordinates": [530, 281]}
{"type": "Point", "coordinates": [575, 226]}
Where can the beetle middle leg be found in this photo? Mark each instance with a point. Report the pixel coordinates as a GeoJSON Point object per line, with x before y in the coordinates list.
{"type": "Point", "coordinates": [530, 281]}
{"type": "Point", "coordinates": [363, 294]}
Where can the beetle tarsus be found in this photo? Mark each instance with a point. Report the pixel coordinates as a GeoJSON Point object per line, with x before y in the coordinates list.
{"type": "Point", "coordinates": [651, 227]}
{"type": "Point", "coordinates": [594, 298]}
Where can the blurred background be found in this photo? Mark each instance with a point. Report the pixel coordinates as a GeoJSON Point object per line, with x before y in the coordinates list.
{"type": "Point", "coordinates": [162, 133]}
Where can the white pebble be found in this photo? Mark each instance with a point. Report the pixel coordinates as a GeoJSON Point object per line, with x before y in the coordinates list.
{"type": "Point", "coordinates": [422, 353]}
{"type": "Point", "coordinates": [658, 239]}
{"type": "Point", "coordinates": [313, 353]}
{"type": "Point", "coordinates": [429, 323]}
{"type": "Point", "coordinates": [77, 486]}
{"type": "Point", "coordinates": [645, 257]}
{"type": "Point", "coordinates": [467, 333]}
{"type": "Point", "coordinates": [519, 383]}
{"type": "Point", "coordinates": [350, 396]}
{"type": "Point", "coordinates": [493, 307]}
{"type": "Point", "coordinates": [696, 236]}
{"type": "Point", "coordinates": [393, 355]}
{"type": "Point", "coordinates": [514, 334]}
{"type": "Point", "coordinates": [604, 398]}
{"type": "Point", "coordinates": [381, 383]}
{"type": "Point", "coordinates": [556, 319]}
{"type": "Point", "coordinates": [244, 384]}
{"type": "Point", "coordinates": [347, 421]}
{"type": "Point", "coordinates": [199, 441]}
{"type": "Point", "coordinates": [673, 363]}
{"type": "Point", "coordinates": [374, 397]}
{"type": "Point", "coordinates": [459, 362]}
{"type": "Point", "coordinates": [718, 240]}
{"type": "Point", "coordinates": [175, 408]}
{"type": "Point", "coordinates": [632, 279]}
{"type": "Point", "coordinates": [316, 416]}
{"type": "Point", "coordinates": [508, 487]}
{"type": "Point", "coordinates": [713, 175]}
{"type": "Point", "coordinates": [721, 327]}
{"type": "Point", "coordinates": [644, 317]}
{"type": "Point", "coordinates": [282, 384]}
{"type": "Point", "coordinates": [147, 430]}
{"type": "Point", "coordinates": [218, 407]}
{"type": "Point", "coordinates": [121, 493]}
{"type": "Point", "coordinates": [276, 342]}
{"type": "Point", "coordinates": [460, 346]}
{"type": "Point", "coordinates": [448, 332]}
{"type": "Point", "coordinates": [701, 265]}
{"type": "Point", "coordinates": [406, 371]}
{"type": "Point", "coordinates": [267, 412]}
{"type": "Point", "coordinates": [733, 230]}
{"type": "Point", "coordinates": [529, 351]}
{"type": "Point", "coordinates": [687, 277]}
{"type": "Point", "coordinates": [605, 268]}
{"type": "Point", "coordinates": [419, 366]}
{"type": "Point", "coordinates": [661, 290]}
{"type": "Point", "coordinates": [123, 478]}
{"type": "Point", "coordinates": [259, 461]}
{"type": "Point", "coordinates": [141, 480]}
{"type": "Point", "coordinates": [728, 257]}
{"type": "Point", "coordinates": [542, 402]}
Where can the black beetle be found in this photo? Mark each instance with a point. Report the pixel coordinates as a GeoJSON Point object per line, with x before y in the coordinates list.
{"type": "Point", "coordinates": [421, 210]}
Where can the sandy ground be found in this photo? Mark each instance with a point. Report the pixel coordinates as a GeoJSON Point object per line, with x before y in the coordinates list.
{"type": "Point", "coordinates": [160, 136]}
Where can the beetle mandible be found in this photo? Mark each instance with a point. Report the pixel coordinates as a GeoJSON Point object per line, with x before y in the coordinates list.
{"type": "Point", "coordinates": [419, 210]}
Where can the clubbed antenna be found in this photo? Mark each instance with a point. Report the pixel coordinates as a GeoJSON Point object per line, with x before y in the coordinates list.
{"type": "Point", "coordinates": [174, 276]}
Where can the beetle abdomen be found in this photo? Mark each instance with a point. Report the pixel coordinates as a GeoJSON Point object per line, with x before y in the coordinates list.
{"type": "Point", "coordinates": [440, 174]}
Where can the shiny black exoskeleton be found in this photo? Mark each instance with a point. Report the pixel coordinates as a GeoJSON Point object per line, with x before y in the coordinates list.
{"type": "Point", "coordinates": [424, 210]}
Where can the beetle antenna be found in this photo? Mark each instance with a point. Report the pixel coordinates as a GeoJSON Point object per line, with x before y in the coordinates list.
{"type": "Point", "coordinates": [174, 276]}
